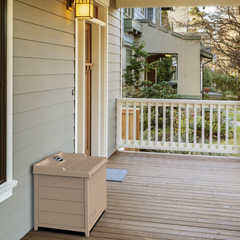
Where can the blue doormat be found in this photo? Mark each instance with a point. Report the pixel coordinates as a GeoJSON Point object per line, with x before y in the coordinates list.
{"type": "Point", "coordinates": [116, 175]}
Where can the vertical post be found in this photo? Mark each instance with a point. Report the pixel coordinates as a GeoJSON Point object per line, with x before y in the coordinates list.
{"type": "Point", "coordinates": [203, 126]}
{"type": "Point", "coordinates": [103, 15]}
{"type": "Point", "coordinates": [179, 124]}
{"type": "Point", "coordinates": [127, 122]}
{"type": "Point", "coordinates": [219, 125]}
{"type": "Point", "coordinates": [96, 91]}
{"type": "Point", "coordinates": [142, 123]}
{"type": "Point", "coordinates": [119, 122]}
{"type": "Point", "coordinates": [164, 124]}
{"type": "Point", "coordinates": [171, 124]}
{"type": "Point", "coordinates": [235, 127]}
{"type": "Point", "coordinates": [227, 121]}
{"type": "Point", "coordinates": [149, 124]}
{"type": "Point", "coordinates": [134, 123]}
{"type": "Point", "coordinates": [195, 125]}
{"type": "Point", "coordinates": [211, 125]}
{"type": "Point", "coordinates": [81, 86]}
{"type": "Point", "coordinates": [156, 124]}
{"type": "Point", "coordinates": [187, 125]}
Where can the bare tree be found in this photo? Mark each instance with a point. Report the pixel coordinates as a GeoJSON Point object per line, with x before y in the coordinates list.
{"type": "Point", "coordinates": [223, 27]}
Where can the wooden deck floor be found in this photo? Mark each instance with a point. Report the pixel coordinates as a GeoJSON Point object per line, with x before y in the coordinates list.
{"type": "Point", "coordinates": [167, 197]}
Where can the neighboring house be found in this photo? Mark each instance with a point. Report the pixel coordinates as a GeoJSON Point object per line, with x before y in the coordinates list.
{"type": "Point", "coordinates": [47, 74]}
{"type": "Point", "coordinates": [145, 25]}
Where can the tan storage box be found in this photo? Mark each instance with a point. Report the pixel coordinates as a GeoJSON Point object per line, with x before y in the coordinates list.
{"type": "Point", "coordinates": [69, 194]}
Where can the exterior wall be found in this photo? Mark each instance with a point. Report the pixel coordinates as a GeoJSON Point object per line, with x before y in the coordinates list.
{"type": "Point", "coordinates": [114, 76]}
{"type": "Point", "coordinates": [138, 14]}
{"type": "Point", "coordinates": [43, 103]}
{"type": "Point", "coordinates": [188, 57]}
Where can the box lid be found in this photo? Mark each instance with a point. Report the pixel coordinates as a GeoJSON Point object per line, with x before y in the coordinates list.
{"type": "Point", "coordinates": [69, 164]}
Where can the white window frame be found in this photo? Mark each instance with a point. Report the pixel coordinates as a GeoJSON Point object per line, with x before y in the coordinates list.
{"type": "Point", "coordinates": [129, 12]}
{"type": "Point", "coordinates": [6, 188]}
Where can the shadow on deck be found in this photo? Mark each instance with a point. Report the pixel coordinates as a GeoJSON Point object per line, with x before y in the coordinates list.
{"type": "Point", "coordinates": [167, 196]}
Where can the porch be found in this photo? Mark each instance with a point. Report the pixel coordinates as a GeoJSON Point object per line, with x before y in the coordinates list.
{"type": "Point", "coordinates": [167, 197]}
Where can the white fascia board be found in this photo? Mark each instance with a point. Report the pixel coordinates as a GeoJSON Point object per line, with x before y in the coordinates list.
{"type": "Point", "coordinates": [173, 3]}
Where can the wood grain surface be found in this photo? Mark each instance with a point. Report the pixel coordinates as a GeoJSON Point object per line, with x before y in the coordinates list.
{"type": "Point", "coordinates": [168, 197]}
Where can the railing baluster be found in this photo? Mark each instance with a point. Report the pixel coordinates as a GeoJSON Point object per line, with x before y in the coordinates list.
{"type": "Point", "coordinates": [164, 124]}
{"type": "Point", "coordinates": [134, 123]}
{"type": "Point", "coordinates": [142, 123]}
{"type": "Point", "coordinates": [219, 125]}
{"type": "Point", "coordinates": [235, 127]}
{"type": "Point", "coordinates": [127, 117]}
{"type": "Point", "coordinates": [227, 119]}
{"type": "Point", "coordinates": [195, 125]}
{"type": "Point", "coordinates": [179, 125]}
{"type": "Point", "coordinates": [167, 108]}
{"type": "Point", "coordinates": [156, 124]}
{"type": "Point", "coordinates": [171, 130]}
{"type": "Point", "coordinates": [149, 123]}
{"type": "Point", "coordinates": [203, 126]}
{"type": "Point", "coordinates": [211, 125]}
{"type": "Point", "coordinates": [119, 122]}
{"type": "Point", "coordinates": [187, 124]}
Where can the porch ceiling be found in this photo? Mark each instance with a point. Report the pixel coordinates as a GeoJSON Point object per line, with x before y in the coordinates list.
{"type": "Point", "coordinates": [174, 3]}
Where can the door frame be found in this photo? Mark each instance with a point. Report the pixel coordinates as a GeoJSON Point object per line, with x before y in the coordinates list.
{"type": "Point", "coordinates": [99, 101]}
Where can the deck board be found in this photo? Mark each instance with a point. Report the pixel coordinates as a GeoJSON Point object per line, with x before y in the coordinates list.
{"type": "Point", "coordinates": [167, 197]}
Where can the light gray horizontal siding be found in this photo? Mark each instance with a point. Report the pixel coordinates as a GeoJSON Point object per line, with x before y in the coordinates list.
{"type": "Point", "coordinates": [114, 70]}
{"type": "Point", "coordinates": [43, 105]}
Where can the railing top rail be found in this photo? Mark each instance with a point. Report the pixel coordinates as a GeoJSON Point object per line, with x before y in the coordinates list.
{"type": "Point", "coordinates": [151, 100]}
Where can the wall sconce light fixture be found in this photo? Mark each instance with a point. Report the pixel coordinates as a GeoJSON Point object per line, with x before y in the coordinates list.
{"type": "Point", "coordinates": [84, 9]}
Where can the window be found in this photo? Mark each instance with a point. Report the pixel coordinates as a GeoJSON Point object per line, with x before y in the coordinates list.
{"type": "Point", "coordinates": [143, 11]}
{"type": "Point", "coordinates": [129, 12]}
{"type": "Point", "coordinates": [3, 90]}
{"type": "Point", "coordinates": [6, 93]}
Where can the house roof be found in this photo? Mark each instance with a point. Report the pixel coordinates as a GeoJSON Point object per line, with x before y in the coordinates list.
{"type": "Point", "coordinates": [206, 54]}
{"type": "Point", "coordinates": [178, 35]}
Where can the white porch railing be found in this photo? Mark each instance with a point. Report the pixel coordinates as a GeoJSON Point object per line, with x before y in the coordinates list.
{"type": "Point", "coordinates": [180, 125]}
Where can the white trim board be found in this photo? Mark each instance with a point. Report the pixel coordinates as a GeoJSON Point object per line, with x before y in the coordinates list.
{"type": "Point", "coordinates": [6, 188]}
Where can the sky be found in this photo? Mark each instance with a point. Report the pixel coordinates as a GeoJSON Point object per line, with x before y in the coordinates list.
{"type": "Point", "coordinates": [209, 9]}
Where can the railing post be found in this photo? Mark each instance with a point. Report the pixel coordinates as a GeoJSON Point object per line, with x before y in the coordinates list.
{"type": "Point", "coordinates": [134, 123]}
{"type": "Point", "coordinates": [195, 126]}
{"type": "Point", "coordinates": [211, 125]}
{"type": "Point", "coordinates": [171, 124]}
{"type": "Point", "coordinates": [203, 126]}
{"type": "Point", "coordinates": [142, 123]}
{"type": "Point", "coordinates": [156, 124]}
{"type": "Point", "coordinates": [127, 120]}
{"type": "Point", "coordinates": [227, 119]}
{"type": "Point", "coordinates": [187, 125]}
{"type": "Point", "coordinates": [119, 122]}
{"type": "Point", "coordinates": [149, 123]}
{"type": "Point", "coordinates": [164, 124]}
{"type": "Point", "coordinates": [219, 125]}
{"type": "Point", "coordinates": [235, 127]}
{"type": "Point", "coordinates": [179, 125]}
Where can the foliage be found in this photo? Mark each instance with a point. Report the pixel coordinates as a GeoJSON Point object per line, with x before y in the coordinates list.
{"type": "Point", "coordinates": [220, 81]}
{"type": "Point", "coordinates": [207, 76]}
{"type": "Point", "coordinates": [131, 92]}
{"type": "Point", "coordinates": [164, 72]}
{"type": "Point", "coordinates": [137, 66]}
{"type": "Point", "coordinates": [163, 90]}
{"type": "Point", "coordinates": [165, 20]}
{"type": "Point", "coordinates": [223, 28]}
